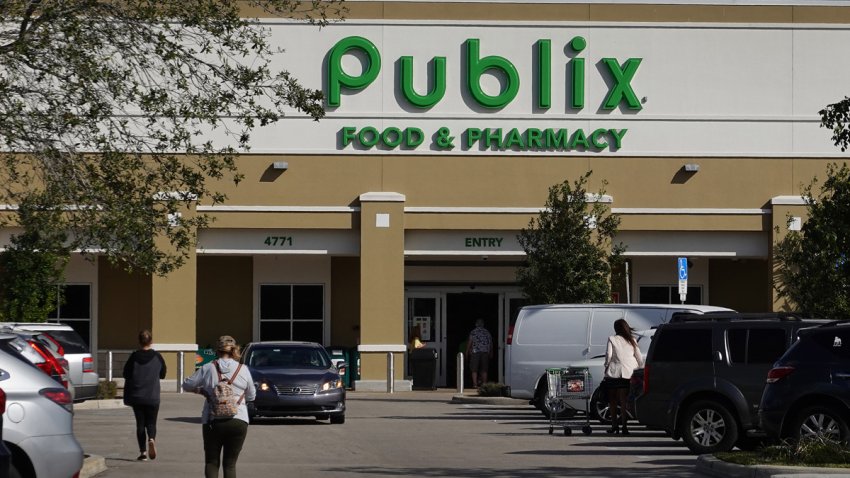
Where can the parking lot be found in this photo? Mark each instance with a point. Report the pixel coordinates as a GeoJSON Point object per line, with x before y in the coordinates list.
{"type": "Point", "coordinates": [404, 434]}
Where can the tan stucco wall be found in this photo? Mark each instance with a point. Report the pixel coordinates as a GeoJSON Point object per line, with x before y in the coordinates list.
{"type": "Point", "coordinates": [740, 284]}
{"type": "Point", "coordinates": [381, 286]}
{"type": "Point", "coordinates": [530, 11]}
{"type": "Point", "coordinates": [124, 307]}
{"type": "Point", "coordinates": [224, 301]}
{"type": "Point", "coordinates": [345, 301]}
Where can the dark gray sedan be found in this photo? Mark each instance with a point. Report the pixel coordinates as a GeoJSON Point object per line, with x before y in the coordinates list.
{"type": "Point", "coordinates": [295, 379]}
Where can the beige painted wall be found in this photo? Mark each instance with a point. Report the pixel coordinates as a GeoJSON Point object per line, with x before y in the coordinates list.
{"type": "Point", "coordinates": [124, 307]}
{"type": "Point", "coordinates": [224, 298]}
{"type": "Point", "coordinates": [345, 301]}
{"type": "Point", "coordinates": [740, 284]}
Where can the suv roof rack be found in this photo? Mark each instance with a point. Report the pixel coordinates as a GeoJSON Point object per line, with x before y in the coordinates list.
{"type": "Point", "coordinates": [718, 316]}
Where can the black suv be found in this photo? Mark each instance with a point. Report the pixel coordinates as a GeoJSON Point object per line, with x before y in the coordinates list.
{"type": "Point", "coordinates": [808, 390]}
{"type": "Point", "coordinates": [704, 376]}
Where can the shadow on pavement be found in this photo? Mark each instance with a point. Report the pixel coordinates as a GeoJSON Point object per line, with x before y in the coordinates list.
{"type": "Point", "coordinates": [541, 472]}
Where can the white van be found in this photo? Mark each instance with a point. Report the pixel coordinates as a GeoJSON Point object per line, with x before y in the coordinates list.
{"type": "Point", "coordinates": [547, 336]}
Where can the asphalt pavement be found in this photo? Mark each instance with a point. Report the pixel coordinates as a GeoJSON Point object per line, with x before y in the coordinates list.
{"type": "Point", "coordinates": [406, 434]}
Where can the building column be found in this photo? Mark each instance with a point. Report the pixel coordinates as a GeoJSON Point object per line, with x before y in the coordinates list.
{"type": "Point", "coordinates": [173, 312]}
{"type": "Point", "coordinates": [784, 207]}
{"type": "Point", "coordinates": [381, 290]}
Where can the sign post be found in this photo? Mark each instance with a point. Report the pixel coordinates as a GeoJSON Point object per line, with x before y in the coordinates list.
{"type": "Point", "coordinates": [682, 272]}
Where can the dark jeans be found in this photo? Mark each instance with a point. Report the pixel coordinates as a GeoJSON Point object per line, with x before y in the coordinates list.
{"type": "Point", "coordinates": [227, 435]}
{"type": "Point", "coordinates": [145, 423]}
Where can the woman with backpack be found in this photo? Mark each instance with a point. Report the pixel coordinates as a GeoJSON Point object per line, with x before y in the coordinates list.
{"type": "Point", "coordinates": [228, 386]}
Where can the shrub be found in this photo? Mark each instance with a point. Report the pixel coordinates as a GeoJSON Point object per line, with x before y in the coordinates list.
{"type": "Point", "coordinates": [106, 390]}
{"type": "Point", "coordinates": [814, 451]}
{"type": "Point", "coordinates": [491, 389]}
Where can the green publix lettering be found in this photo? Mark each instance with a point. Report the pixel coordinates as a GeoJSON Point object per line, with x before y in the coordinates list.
{"type": "Point", "coordinates": [620, 91]}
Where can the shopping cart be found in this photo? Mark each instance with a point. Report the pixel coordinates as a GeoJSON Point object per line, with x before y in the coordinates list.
{"type": "Point", "coordinates": [564, 383]}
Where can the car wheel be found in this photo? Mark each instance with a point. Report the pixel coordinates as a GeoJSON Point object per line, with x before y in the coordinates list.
{"type": "Point", "coordinates": [552, 408]}
{"type": "Point", "coordinates": [819, 422]}
{"type": "Point", "coordinates": [708, 427]}
{"type": "Point", "coordinates": [338, 419]}
{"type": "Point", "coordinates": [599, 408]}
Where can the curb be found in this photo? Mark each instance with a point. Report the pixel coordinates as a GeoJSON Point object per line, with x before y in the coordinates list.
{"type": "Point", "coordinates": [96, 404]}
{"type": "Point", "coordinates": [711, 466]}
{"type": "Point", "coordinates": [460, 398]}
{"type": "Point", "coordinates": [92, 465]}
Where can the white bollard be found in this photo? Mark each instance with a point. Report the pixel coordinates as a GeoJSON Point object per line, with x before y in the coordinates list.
{"type": "Point", "coordinates": [180, 358]}
{"type": "Point", "coordinates": [460, 372]}
{"type": "Point", "coordinates": [108, 365]}
{"type": "Point", "coordinates": [390, 373]}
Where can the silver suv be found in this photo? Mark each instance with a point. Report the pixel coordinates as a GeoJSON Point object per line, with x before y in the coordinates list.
{"type": "Point", "coordinates": [38, 421]}
{"type": "Point", "coordinates": [80, 361]}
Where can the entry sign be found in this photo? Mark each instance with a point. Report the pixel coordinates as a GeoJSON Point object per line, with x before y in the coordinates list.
{"type": "Point", "coordinates": [682, 271]}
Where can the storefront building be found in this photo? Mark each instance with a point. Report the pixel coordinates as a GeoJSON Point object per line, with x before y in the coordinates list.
{"type": "Point", "coordinates": [446, 124]}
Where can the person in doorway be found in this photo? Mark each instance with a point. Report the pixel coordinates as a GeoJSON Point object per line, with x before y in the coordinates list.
{"type": "Point", "coordinates": [142, 373]}
{"type": "Point", "coordinates": [622, 357]}
{"type": "Point", "coordinates": [223, 437]}
{"type": "Point", "coordinates": [416, 338]}
{"type": "Point", "coordinates": [479, 349]}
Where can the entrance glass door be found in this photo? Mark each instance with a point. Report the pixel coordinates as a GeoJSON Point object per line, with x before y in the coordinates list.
{"type": "Point", "coordinates": [424, 314]}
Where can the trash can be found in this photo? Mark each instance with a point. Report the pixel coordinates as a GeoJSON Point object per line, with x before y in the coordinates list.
{"type": "Point", "coordinates": [352, 373]}
{"type": "Point", "coordinates": [338, 356]}
{"type": "Point", "coordinates": [423, 369]}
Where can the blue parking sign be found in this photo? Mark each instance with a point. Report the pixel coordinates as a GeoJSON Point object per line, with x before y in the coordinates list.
{"type": "Point", "coordinates": [683, 268]}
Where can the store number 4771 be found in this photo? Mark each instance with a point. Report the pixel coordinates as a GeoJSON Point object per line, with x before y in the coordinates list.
{"type": "Point", "coordinates": [278, 241]}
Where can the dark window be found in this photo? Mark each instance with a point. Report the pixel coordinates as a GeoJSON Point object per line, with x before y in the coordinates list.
{"type": "Point", "coordinates": [755, 345]}
{"type": "Point", "coordinates": [683, 345]}
{"type": "Point", "coordinates": [836, 342]}
{"type": "Point", "coordinates": [292, 312]}
{"type": "Point", "coordinates": [669, 295]}
{"type": "Point", "coordinates": [275, 302]}
{"type": "Point", "coordinates": [765, 345]}
{"type": "Point", "coordinates": [737, 345]}
{"type": "Point", "coordinates": [74, 308]}
{"type": "Point", "coordinates": [71, 340]}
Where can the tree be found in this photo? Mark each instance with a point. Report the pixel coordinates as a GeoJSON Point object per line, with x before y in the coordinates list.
{"type": "Point", "coordinates": [813, 268]}
{"type": "Point", "coordinates": [837, 118]}
{"type": "Point", "coordinates": [569, 248]}
{"type": "Point", "coordinates": [32, 267]}
{"type": "Point", "coordinates": [106, 108]}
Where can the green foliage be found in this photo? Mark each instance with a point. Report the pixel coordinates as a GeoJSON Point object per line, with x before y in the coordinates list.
{"type": "Point", "coordinates": [813, 267]}
{"type": "Point", "coordinates": [106, 390]}
{"type": "Point", "coordinates": [107, 107]}
{"type": "Point", "coordinates": [837, 118]}
{"type": "Point", "coordinates": [569, 248]}
{"type": "Point", "coordinates": [811, 452]}
{"type": "Point", "coordinates": [32, 266]}
{"type": "Point", "coordinates": [491, 389]}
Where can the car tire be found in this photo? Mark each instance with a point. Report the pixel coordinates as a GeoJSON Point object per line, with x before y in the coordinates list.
{"type": "Point", "coordinates": [708, 427]}
{"type": "Point", "coordinates": [599, 408]}
{"type": "Point", "coordinates": [819, 421]}
{"type": "Point", "coordinates": [338, 419]}
{"type": "Point", "coordinates": [545, 406]}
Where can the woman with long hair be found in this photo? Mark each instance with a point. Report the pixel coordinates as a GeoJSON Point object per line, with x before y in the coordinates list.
{"type": "Point", "coordinates": [622, 357]}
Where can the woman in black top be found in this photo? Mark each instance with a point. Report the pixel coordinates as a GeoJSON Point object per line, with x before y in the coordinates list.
{"type": "Point", "coordinates": [142, 373]}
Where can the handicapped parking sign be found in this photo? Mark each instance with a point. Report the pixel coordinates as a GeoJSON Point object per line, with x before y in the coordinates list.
{"type": "Point", "coordinates": [682, 270]}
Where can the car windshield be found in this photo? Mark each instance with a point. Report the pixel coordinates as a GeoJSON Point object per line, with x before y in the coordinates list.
{"type": "Point", "coordinates": [288, 357]}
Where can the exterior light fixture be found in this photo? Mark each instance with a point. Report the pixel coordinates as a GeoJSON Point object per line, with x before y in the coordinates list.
{"type": "Point", "coordinates": [280, 165]}
{"type": "Point", "coordinates": [692, 167]}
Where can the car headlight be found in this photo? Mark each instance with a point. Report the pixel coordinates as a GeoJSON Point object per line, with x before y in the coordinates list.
{"type": "Point", "coordinates": [333, 384]}
{"type": "Point", "coordinates": [263, 386]}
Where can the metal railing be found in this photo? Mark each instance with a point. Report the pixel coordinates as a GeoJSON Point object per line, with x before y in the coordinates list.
{"type": "Point", "coordinates": [110, 363]}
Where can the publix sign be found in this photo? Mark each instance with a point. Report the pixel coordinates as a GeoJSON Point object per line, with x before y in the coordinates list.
{"type": "Point", "coordinates": [616, 74]}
